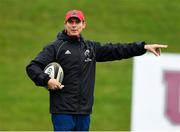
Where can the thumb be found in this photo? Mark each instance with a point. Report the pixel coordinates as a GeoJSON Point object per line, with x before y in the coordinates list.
{"type": "Point", "coordinates": [154, 52]}
{"type": "Point", "coordinates": [62, 86]}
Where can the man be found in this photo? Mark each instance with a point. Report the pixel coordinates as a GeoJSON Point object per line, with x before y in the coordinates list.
{"type": "Point", "coordinates": [71, 103]}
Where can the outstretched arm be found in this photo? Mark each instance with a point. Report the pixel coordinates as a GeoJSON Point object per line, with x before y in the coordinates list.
{"type": "Point", "coordinates": [118, 51]}
{"type": "Point", "coordinates": [155, 48]}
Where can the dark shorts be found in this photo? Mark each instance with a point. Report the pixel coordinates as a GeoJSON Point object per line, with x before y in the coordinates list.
{"type": "Point", "coordinates": [68, 122]}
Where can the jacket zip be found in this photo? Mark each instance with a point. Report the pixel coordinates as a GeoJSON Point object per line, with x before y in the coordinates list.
{"type": "Point", "coordinates": [80, 78]}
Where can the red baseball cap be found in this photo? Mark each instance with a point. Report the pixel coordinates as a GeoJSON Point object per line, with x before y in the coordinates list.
{"type": "Point", "coordinates": [75, 13]}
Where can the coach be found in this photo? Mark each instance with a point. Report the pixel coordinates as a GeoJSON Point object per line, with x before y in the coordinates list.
{"type": "Point", "coordinates": [71, 103]}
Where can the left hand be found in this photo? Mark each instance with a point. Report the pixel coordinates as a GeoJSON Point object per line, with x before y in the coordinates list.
{"type": "Point", "coordinates": [155, 48]}
{"type": "Point", "coordinates": [53, 84]}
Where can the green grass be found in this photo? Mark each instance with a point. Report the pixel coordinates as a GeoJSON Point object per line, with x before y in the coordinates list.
{"type": "Point", "coordinates": [26, 26]}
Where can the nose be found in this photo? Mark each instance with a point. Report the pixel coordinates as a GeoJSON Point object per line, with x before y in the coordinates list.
{"type": "Point", "coordinates": [73, 23]}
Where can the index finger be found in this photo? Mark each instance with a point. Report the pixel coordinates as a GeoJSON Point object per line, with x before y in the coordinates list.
{"type": "Point", "coordinates": [162, 46]}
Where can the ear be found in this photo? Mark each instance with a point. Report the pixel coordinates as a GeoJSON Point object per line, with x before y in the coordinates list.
{"type": "Point", "coordinates": [65, 25]}
{"type": "Point", "coordinates": [84, 25]}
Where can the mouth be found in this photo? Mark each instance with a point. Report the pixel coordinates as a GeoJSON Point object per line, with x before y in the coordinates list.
{"type": "Point", "coordinates": [73, 30]}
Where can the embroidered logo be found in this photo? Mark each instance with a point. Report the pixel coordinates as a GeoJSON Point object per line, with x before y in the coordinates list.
{"type": "Point", "coordinates": [87, 52]}
{"type": "Point", "coordinates": [88, 60]}
{"type": "Point", "coordinates": [67, 52]}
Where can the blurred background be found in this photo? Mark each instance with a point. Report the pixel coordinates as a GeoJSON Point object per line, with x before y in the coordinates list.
{"type": "Point", "coordinates": [26, 26]}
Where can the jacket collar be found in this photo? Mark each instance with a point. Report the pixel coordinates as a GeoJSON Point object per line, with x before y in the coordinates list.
{"type": "Point", "coordinates": [63, 36]}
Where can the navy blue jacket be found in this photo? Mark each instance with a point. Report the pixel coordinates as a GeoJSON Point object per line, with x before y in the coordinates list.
{"type": "Point", "coordinates": [78, 59]}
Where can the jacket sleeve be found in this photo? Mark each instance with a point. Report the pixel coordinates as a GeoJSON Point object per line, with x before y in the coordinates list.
{"type": "Point", "coordinates": [35, 68]}
{"type": "Point", "coordinates": [110, 52]}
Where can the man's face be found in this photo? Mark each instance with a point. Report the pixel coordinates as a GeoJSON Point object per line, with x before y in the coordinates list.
{"type": "Point", "coordinates": [74, 26]}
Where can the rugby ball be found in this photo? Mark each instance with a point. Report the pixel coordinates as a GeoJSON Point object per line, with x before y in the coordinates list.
{"type": "Point", "coordinates": [55, 71]}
